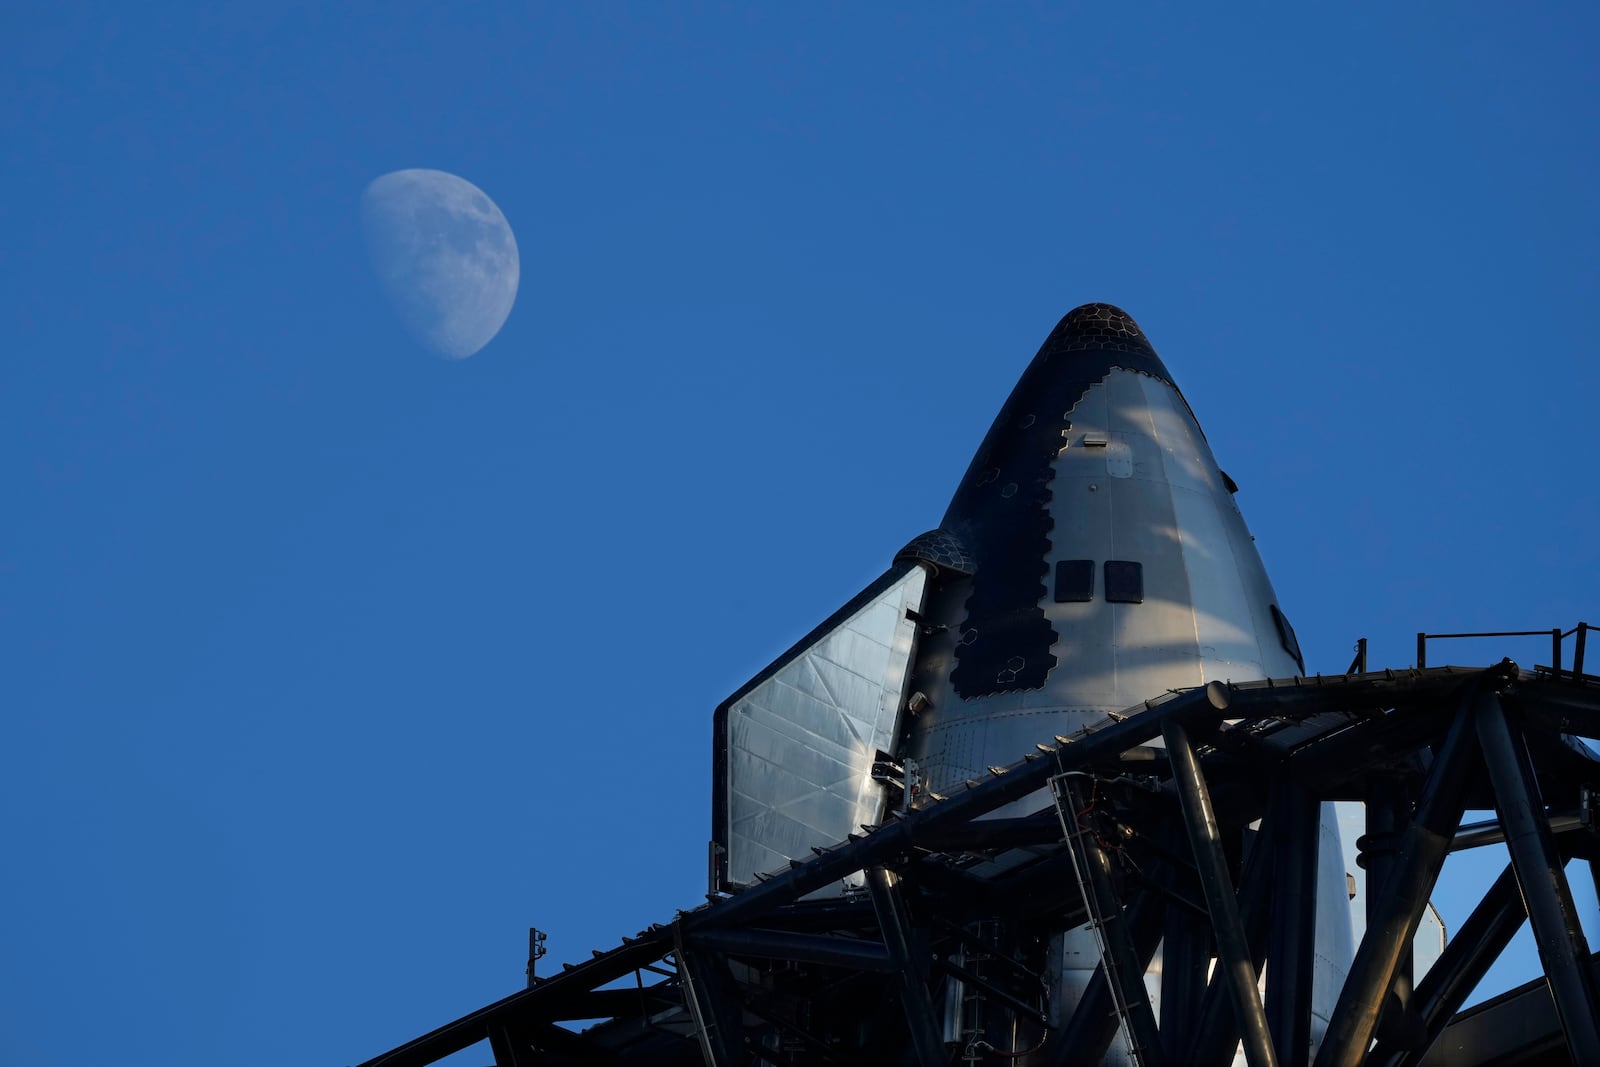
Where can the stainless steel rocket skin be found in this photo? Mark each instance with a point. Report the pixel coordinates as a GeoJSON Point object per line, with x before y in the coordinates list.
{"type": "Point", "coordinates": [1109, 561]}
{"type": "Point", "coordinates": [1092, 558]}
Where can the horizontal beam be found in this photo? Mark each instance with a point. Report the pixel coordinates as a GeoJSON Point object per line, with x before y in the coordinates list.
{"type": "Point", "coordinates": [887, 842]}
{"type": "Point", "coordinates": [1129, 729]}
{"type": "Point", "coordinates": [1491, 832]}
{"type": "Point", "coordinates": [825, 949]}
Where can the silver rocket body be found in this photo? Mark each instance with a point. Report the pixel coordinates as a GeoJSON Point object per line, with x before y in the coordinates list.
{"type": "Point", "coordinates": [1092, 558]}
{"type": "Point", "coordinates": [1146, 580]}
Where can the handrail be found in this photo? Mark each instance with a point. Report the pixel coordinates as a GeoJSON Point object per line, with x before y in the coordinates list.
{"type": "Point", "coordinates": [1556, 634]}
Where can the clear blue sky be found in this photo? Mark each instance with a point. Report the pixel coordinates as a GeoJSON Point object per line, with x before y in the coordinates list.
{"type": "Point", "coordinates": [330, 666]}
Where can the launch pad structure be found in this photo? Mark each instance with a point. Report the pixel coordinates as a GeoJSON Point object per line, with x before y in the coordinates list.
{"type": "Point", "coordinates": [994, 809]}
{"type": "Point", "coordinates": [1187, 822]}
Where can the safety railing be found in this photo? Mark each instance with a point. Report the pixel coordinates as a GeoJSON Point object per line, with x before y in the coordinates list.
{"type": "Point", "coordinates": [1557, 637]}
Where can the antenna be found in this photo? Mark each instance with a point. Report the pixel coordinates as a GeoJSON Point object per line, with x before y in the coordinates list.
{"type": "Point", "coordinates": [536, 951]}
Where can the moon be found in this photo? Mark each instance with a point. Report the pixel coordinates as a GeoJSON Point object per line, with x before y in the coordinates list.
{"type": "Point", "coordinates": [444, 255]}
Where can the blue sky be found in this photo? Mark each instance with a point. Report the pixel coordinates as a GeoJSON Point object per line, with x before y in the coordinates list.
{"type": "Point", "coordinates": [332, 666]}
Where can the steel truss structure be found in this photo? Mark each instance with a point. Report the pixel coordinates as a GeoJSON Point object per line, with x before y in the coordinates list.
{"type": "Point", "coordinates": [1205, 844]}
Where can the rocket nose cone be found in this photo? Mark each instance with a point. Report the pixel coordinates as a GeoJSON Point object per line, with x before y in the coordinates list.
{"type": "Point", "coordinates": [1101, 326]}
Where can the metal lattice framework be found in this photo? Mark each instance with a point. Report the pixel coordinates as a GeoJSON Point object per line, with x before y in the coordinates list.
{"type": "Point", "coordinates": [1205, 844]}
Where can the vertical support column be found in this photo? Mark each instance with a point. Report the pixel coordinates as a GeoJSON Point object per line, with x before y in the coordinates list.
{"type": "Point", "coordinates": [1233, 951]}
{"type": "Point", "coordinates": [1185, 960]}
{"type": "Point", "coordinates": [1291, 942]}
{"type": "Point", "coordinates": [1563, 949]}
{"type": "Point", "coordinates": [1594, 875]}
{"type": "Point", "coordinates": [1423, 848]}
{"type": "Point", "coordinates": [923, 1024]}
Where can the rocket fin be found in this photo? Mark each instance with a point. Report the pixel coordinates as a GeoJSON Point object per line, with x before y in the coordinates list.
{"type": "Point", "coordinates": [794, 748]}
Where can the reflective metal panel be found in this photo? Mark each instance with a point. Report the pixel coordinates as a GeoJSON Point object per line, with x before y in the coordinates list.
{"type": "Point", "coordinates": [800, 743]}
{"type": "Point", "coordinates": [1132, 480]}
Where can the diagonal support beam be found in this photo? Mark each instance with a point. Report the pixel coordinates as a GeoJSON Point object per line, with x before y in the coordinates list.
{"type": "Point", "coordinates": [1422, 852]}
{"type": "Point", "coordinates": [991, 989]}
{"type": "Point", "coordinates": [529, 1046]}
{"type": "Point", "coordinates": [1387, 809]}
{"type": "Point", "coordinates": [1233, 950]}
{"type": "Point", "coordinates": [908, 832]}
{"type": "Point", "coordinates": [510, 1049]}
{"type": "Point", "coordinates": [921, 1021]}
{"type": "Point", "coordinates": [1563, 949]}
{"type": "Point", "coordinates": [713, 1006]}
{"type": "Point", "coordinates": [1462, 965]}
{"type": "Point", "coordinates": [1119, 956]}
{"type": "Point", "coordinates": [1093, 1026]}
{"type": "Point", "coordinates": [1217, 1039]}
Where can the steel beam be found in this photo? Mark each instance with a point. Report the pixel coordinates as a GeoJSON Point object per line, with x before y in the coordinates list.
{"type": "Point", "coordinates": [1134, 727]}
{"type": "Point", "coordinates": [1088, 1034]}
{"type": "Point", "coordinates": [708, 994]}
{"type": "Point", "coordinates": [1387, 811]}
{"type": "Point", "coordinates": [525, 1003]}
{"type": "Point", "coordinates": [1490, 832]}
{"type": "Point", "coordinates": [923, 1024]}
{"type": "Point", "coordinates": [510, 1049]}
{"type": "Point", "coordinates": [1459, 969]}
{"type": "Point", "coordinates": [1218, 1035]}
{"type": "Point", "coordinates": [528, 1009]}
{"type": "Point", "coordinates": [977, 981]}
{"type": "Point", "coordinates": [635, 1001]}
{"type": "Point", "coordinates": [1185, 959]}
{"type": "Point", "coordinates": [818, 1051]}
{"type": "Point", "coordinates": [529, 1046]}
{"type": "Point", "coordinates": [1120, 957]}
{"type": "Point", "coordinates": [1563, 949]}
{"type": "Point", "coordinates": [825, 949]}
{"type": "Point", "coordinates": [1233, 950]}
{"type": "Point", "coordinates": [1291, 941]}
{"type": "Point", "coordinates": [905, 834]}
{"type": "Point", "coordinates": [1422, 851]}
{"type": "Point", "coordinates": [1040, 829]}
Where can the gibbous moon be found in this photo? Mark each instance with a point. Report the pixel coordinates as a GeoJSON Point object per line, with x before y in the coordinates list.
{"type": "Point", "coordinates": [444, 255]}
